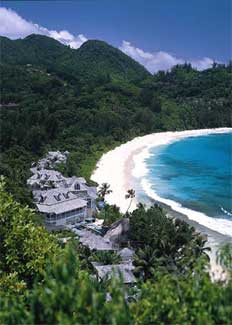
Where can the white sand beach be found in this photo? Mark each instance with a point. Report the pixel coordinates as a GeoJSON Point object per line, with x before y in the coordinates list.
{"type": "Point", "coordinates": [120, 166]}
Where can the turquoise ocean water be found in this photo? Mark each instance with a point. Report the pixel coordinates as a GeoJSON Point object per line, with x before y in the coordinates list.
{"type": "Point", "coordinates": [195, 172]}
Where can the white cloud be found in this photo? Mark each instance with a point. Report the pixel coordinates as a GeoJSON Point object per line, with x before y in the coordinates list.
{"type": "Point", "coordinates": [156, 61]}
{"type": "Point", "coordinates": [14, 26]}
{"type": "Point", "coordinates": [202, 64]}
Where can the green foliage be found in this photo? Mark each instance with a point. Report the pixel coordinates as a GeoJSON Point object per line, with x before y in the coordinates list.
{"type": "Point", "coordinates": [163, 243]}
{"type": "Point", "coordinates": [110, 214]}
{"type": "Point", "coordinates": [224, 257]}
{"type": "Point", "coordinates": [130, 195]}
{"type": "Point", "coordinates": [25, 247]}
{"type": "Point", "coordinates": [64, 233]}
{"type": "Point", "coordinates": [63, 291]}
{"type": "Point", "coordinates": [104, 190]}
{"type": "Point", "coordinates": [192, 300]}
{"type": "Point", "coordinates": [68, 295]}
{"type": "Point", "coordinates": [106, 258]}
{"type": "Point", "coordinates": [95, 61]}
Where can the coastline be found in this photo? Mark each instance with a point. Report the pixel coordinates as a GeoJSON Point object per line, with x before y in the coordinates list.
{"type": "Point", "coordinates": [122, 166]}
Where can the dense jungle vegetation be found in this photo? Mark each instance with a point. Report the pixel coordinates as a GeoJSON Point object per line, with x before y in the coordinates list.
{"type": "Point", "coordinates": [43, 283]}
{"type": "Point", "coordinates": [88, 101]}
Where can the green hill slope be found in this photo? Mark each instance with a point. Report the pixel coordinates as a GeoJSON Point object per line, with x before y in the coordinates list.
{"type": "Point", "coordinates": [93, 60]}
{"type": "Point", "coordinates": [99, 57]}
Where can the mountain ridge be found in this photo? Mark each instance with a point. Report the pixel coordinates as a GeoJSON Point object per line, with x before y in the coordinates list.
{"type": "Point", "coordinates": [86, 62]}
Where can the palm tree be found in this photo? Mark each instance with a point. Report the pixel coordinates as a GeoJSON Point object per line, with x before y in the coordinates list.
{"type": "Point", "coordinates": [130, 195]}
{"type": "Point", "coordinates": [104, 190]}
{"type": "Point", "coordinates": [106, 257]}
{"type": "Point", "coordinates": [141, 206]}
{"type": "Point", "coordinates": [199, 247]}
{"type": "Point", "coordinates": [145, 262]}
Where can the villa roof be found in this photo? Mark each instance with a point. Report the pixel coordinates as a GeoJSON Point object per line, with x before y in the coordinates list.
{"type": "Point", "coordinates": [45, 175]}
{"type": "Point", "coordinates": [53, 196]}
{"type": "Point", "coordinates": [63, 206]}
{"type": "Point", "coordinates": [56, 193]}
{"type": "Point", "coordinates": [53, 158]}
{"type": "Point", "coordinates": [118, 230]}
{"type": "Point", "coordinates": [109, 271]}
{"type": "Point", "coordinates": [126, 254]}
{"type": "Point", "coordinates": [92, 191]}
{"type": "Point", "coordinates": [72, 181]}
{"type": "Point", "coordinates": [93, 241]}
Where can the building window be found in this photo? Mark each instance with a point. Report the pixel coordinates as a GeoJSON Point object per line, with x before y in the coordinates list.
{"type": "Point", "coordinates": [89, 203]}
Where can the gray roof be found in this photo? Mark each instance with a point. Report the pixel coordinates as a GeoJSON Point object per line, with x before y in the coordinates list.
{"type": "Point", "coordinates": [119, 230]}
{"type": "Point", "coordinates": [57, 200]}
{"type": "Point", "coordinates": [71, 183]}
{"type": "Point", "coordinates": [53, 196]}
{"type": "Point", "coordinates": [93, 241]}
{"type": "Point", "coordinates": [92, 191]}
{"type": "Point", "coordinates": [53, 158]}
{"type": "Point", "coordinates": [45, 175]}
{"type": "Point", "coordinates": [61, 207]}
{"type": "Point", "coordinates": [126, 254]}
{"type": "Point", "coordinates": [81, 180]}
{"type": "Point", "coordinates": [109, 271]}
{"type": "Point", "coordinates": [56, 193]}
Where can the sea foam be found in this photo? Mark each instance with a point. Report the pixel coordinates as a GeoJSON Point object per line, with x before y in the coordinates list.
{"type": "Point", "coordinates": [140, 171]}
{"type": "Point", "coordinates": [114, 168]}
{"type": "Point", "coordinates": [220, 225]}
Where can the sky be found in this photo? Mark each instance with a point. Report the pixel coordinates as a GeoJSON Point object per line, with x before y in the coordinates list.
{"type": "Point", "coordinates": [156, 33]}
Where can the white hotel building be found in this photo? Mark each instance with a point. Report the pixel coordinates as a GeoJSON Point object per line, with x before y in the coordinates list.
{"type": "Point", "coordinates": [62, 200]}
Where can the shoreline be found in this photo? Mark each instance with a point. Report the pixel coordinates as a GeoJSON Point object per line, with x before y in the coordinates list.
{"type": "Point", "coordinates": [124, 165]}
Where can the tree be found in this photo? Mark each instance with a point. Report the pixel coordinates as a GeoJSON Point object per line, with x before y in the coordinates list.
{"type": "Point", "coordinates": [36, 138]}
{"type": "Point", "coordinates": [144, 262]}
{"type": "Point", "coordinates": [174, 244]}
{"type": "Point", "coordinates": [156, 104]}
{"type": "Point", "coordinates": [25, 247]}
{"type": "Point", "coordinates": [104, 190]}
{"type": "Point", "coordinates": [106, 258]}
{"type": "Point", "coordinates": [110, 214]}
{"type": "Point", "coordinates": [183, 300]}
{"type": "Point", "coordinates": [67, 295]}
{"type": "Point", "coordinates": [224, 258]}
{"type": "Point", "coordinates": [130, 195]}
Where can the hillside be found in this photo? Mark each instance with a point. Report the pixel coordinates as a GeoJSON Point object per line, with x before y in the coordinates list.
{"type": "Point", "coordinates": [99, 57]}
{"type": "Point", "coordinates": [93, 60]}
{"type": "Point", "coordinates": [91, 99]}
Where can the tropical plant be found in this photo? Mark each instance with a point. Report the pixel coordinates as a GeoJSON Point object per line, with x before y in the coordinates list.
{"type": "Point", "coordinates": [106, 258]}
{"type": "Point", "coordinates": [145, 262]}
{"type": "Point", "coordinates": [110, 214]}
{"type": "Point", "coordinates": [164, 243]}
{"type": "Point", "coordinates": [130, 195]}
{"type": "Point", "coordinates": [62, 291]}
{"type": "Point", "coordinates": [68, 295]}
{"type": "Point", "coordinates": [25, 247]}
{"type": "Point", "coordinates": [224, 258]}
{"type": "Point", "coordinates": [176, 300]}
{"type": "Point", "coordinates": [104, 190]}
